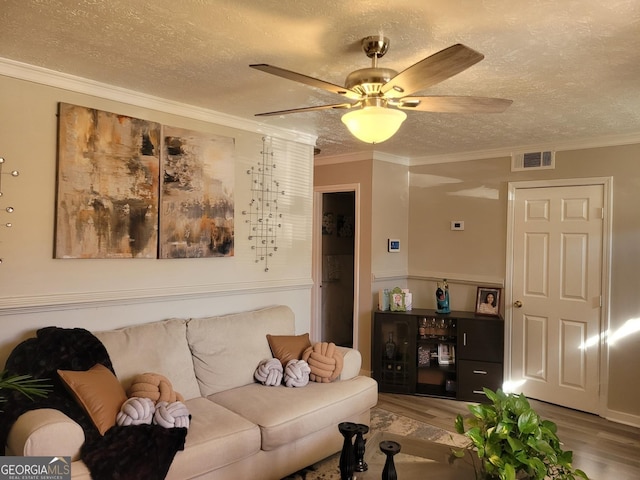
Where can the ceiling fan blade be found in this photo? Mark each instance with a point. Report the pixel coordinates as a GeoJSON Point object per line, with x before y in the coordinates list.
{"type": "Point", "coordinates": [311, 81]}
{"type": "Point", "coordinates": [431, 70]}
{"type": "Point", "coordinates": [453, 104]}
{"type": "Point", "coordinates": [307, 109]}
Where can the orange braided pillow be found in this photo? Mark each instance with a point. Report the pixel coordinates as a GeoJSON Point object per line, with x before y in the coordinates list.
{"type": "Point", "coordinates": [325, 361]}
{"type": "Point", "coordinates": [154, 386]}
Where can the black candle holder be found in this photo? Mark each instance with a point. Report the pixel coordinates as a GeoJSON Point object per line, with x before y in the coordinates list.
{"type": "Point", "coordinates": [359, 448]}
{"type": "Point", "coordinates": [347, 457]}
{"type": "Point", "coordinates": [389, 448]}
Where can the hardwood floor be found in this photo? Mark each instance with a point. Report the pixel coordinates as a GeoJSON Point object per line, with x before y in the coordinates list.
{"type": "Point", "coordinates": [604, 450]}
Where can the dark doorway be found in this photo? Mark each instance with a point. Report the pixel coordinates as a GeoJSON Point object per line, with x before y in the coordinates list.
{"type": "Point", "coordinates": [338, 248]}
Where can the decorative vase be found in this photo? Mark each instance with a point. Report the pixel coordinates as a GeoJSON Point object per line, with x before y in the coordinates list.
{"type": "Point", "coordinates": [442, 297]}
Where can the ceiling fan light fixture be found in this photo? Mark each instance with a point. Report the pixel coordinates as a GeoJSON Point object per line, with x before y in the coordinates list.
{"type": "Point", "coordinates": [374, 124]}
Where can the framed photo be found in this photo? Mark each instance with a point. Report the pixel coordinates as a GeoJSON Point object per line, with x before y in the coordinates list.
{"type": "Point", "coordinates": [397, 300]}
{"type": "Point", "coordinates": [488, 301]}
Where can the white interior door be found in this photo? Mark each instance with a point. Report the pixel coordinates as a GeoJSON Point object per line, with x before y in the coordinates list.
{"type": "Point", "coordinates": [557, 261]}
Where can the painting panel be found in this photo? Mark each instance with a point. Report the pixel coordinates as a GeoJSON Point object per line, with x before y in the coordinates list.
{"type": "Point", "coordinates": [108, 185]}
{"type": "Point", "coordinates": [197, 206]}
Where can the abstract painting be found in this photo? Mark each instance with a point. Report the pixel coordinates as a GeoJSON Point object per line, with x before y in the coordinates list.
{"type": "Point", "coordinates": [197, 207]}
{"type": "Point", "coordinates": [108, 185]}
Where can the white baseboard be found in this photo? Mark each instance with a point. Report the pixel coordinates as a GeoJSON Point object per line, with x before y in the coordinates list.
{"type": "Point", "coordinates": [622, 417]}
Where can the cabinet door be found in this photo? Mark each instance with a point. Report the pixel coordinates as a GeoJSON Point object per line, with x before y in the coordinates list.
{"type": "Point", "coordinates": [474, 375]}
{"type": "Point", "coordinates": [481, 339]}
{"type": "Point", "coordinates": [394, 352]}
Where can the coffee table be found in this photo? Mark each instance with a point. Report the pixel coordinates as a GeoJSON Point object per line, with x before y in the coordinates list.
{"type": "Point", "coordinates": [418, 459]}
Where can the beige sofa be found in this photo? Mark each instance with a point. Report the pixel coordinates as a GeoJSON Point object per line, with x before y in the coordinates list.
{"type": "Point", "coordinates": [239, 428]}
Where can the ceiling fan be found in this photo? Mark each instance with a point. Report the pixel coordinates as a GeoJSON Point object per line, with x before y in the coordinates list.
{"type": "Point", "coordinates": [380, 95]}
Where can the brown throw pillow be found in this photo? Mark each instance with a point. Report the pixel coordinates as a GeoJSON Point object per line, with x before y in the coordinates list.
{"type": "Point", "coordinates": [98, 391]}
{"type": "Point", "coordinates": [288, 347]}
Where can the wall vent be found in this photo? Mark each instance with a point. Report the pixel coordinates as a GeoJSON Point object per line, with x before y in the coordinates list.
{"type": "Point", "coordinates": [533, 160]}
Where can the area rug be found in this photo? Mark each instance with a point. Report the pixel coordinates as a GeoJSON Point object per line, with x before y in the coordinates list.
{"type": "Point", "coordinates": [383, 421]}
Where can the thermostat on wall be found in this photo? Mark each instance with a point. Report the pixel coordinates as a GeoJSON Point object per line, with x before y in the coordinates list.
{"type": "Point", "coordinates": [393, 245]}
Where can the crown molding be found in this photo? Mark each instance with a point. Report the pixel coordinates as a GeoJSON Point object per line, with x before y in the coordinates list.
{"type": "Point", "coordinates": [575, 144]}
{"type": "Point", "coordinates": [389, 158]}
{"type": "Point", "coordinates": [360, 156]}
{"type": "Point", "coordinates": [321, 161]}
{"type": "Point", "coordinates": [64, 81]}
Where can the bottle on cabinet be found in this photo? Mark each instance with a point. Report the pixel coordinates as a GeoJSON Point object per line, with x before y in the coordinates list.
{"type": "Point", "coordinates": [442, 297]}
{"type": "Point", "coordinates": [390, 347]}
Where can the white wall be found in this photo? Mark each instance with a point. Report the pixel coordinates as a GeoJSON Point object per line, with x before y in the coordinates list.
{"type": "Point", "coordinates": [38, 290]}
{"type": "Point", "coordinates": [390, 206]}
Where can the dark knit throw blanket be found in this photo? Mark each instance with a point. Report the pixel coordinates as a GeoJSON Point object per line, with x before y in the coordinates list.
{"type": "Point", "coordinates": [132, 452]}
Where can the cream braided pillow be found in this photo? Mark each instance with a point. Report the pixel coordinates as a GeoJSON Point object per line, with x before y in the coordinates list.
{"type": "Point", "coordinates": [269, 372]}
{"type": "Point", "coordinates": [170, 415]}
{"type": "Point", "coordinates": [296, 373]}
{"type": "Point", "coordinates": [136, 411]}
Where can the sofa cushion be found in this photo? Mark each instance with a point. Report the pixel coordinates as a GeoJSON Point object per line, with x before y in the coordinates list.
{"type": "Point", "coordinates": [227, 349]}
{"type": "Point", "coordinates": [288, 347]}
{"type": "Point", "coordinates": [159, 347]}
{"type": "Point", "coordinates": [217, 437]}
{"type": "Point", "coordinates": [98, 391]}
{"type": "Point", "coordinates": [287, 414]}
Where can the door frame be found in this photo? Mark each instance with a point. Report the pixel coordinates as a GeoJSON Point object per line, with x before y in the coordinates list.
{"type": "Point", "coordinates": [607, 231]}
{"type": "Point", "coordinates": [316, 268]}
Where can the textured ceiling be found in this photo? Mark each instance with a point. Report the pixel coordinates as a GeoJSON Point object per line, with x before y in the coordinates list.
{"type": "Point", "coordinates": [571, 67]}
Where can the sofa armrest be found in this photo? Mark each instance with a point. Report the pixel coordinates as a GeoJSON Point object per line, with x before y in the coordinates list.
{"type": "Point", "coordinates": [352, 363]}
{"type": "Point", "coordinates": [45, 432]}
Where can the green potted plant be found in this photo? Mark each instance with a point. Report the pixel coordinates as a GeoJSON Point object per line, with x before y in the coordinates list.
{"type": "Point", "coordinates": [25, 384]}
{"type": "Point", "coordinates": [512, 442]}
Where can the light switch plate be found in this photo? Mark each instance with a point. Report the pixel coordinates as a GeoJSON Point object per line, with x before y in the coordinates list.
{"type": "Point", "coordinates": [457, 225]}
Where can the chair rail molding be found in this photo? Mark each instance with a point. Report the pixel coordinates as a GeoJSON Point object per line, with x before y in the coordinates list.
{"type": "Point", "coordinates": [66, 301]}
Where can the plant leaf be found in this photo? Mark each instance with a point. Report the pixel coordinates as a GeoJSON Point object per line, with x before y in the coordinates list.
{"type": "Point", "coordinates": [459, 424]}
{"type": "Point", "coordinates": [515, 444]}
{"type": "Point", "coordinates": [25, 384]}
{"type": "Point", "coordinates": [581, 474]}
{"type": "Point", "coordinates": [457, 453]}
{"type": "Point", "coordinates": [476, 436]}
{"type": "Point", "coordinates": [528, 421]}
{"type": "Point", "coordinates": [539, 467]}
{"type": "Point", "coordinates": [496, 460]}
{"type": "Point", "coordinates": [509, 472]}
{"type": "Point", "coordinates": [553, 428]}
{"type": "Point", "coordinates": [491, 395]}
